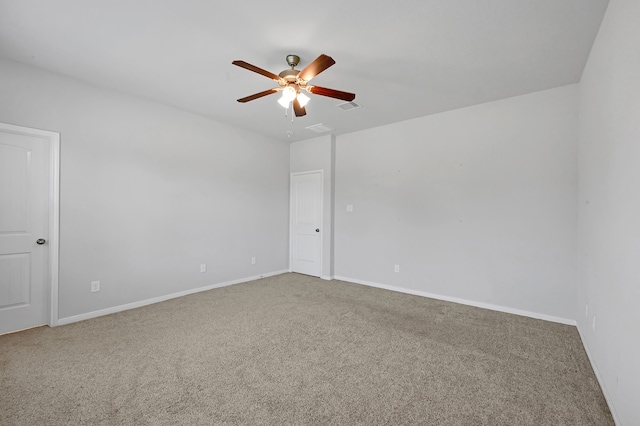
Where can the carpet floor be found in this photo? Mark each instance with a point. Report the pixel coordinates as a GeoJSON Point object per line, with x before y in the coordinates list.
{"type": "Point", "coordinates": [296, 350]}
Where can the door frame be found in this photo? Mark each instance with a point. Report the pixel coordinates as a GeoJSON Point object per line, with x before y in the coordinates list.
{"type": "Point", "coordinates": [54, 211]}
{"type": "Point", "coordinates": [321, 172]}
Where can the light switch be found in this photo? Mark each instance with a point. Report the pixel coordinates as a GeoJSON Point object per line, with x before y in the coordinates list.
{"type": "Point", "coordinates": [349, 208]}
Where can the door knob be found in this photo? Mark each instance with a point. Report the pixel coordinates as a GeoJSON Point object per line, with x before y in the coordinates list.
{"type": "Point", "coordinates": [317, 229]}
{"type": "Point", "coordinates": [41, 241]}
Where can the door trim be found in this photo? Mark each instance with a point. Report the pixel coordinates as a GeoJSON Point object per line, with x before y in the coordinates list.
{"type": "Point", "coordinates": [321, 171]}
{"type": "Point", "coordinates": [54, 211]}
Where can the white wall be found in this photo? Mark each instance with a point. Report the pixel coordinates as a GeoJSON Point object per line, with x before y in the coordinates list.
{"type": "Point", "coordinates": [609, 208]}
{"type": "Point", "coordinates": [477, 204]}
{"type": "Point", "coordinates": [317, 154]}
{"type": "Point", "coordinates": [148, 192]}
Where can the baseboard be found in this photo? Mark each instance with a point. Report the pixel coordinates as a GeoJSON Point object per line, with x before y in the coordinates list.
{"type": "Point", "coordinates": [127, 306]}
{"type": "Point", "coordinates": [462, 301]}
{"type": "Point", "coordinates": [605, 392]}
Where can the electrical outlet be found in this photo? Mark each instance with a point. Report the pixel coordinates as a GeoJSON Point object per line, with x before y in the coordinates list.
{"type": "Point", "coordinates": [593, 324]}
{"type": "Point", "coordinates": [396, 268]}
{"type": "Point", "coordinates": [95, 286]}
{"type": "Point", "coordinates": [253, 260]}
{"type": "Point", "coordinates": [203, 267]}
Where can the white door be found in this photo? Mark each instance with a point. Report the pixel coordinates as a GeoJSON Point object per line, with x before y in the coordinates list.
{"type": "Point", "coordinates": [306, 222]}
{"type": "Point", "coordinates": [25, 198]}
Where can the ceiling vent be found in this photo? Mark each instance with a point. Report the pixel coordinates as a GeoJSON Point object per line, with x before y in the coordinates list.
{"type": "Point", "coordinates": [319, 128]}
{"type": "Point", "coordinates": [348, 106]}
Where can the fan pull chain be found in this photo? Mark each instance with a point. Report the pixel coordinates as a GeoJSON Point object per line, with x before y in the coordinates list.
{"type": "Point", "coordinates": [286, 112]}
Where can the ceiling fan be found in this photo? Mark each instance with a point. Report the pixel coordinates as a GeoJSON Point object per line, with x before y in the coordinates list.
{"type": "Point", "coordinates": [292, 82]}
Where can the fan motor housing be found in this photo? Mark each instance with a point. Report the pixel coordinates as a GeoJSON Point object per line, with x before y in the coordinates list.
{"type": "Point", "coordinates": [289, 75]}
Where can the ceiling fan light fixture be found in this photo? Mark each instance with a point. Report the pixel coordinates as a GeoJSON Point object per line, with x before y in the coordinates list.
{"type": "Point", "coordinates": [303, 99]}
{"type": "Point", "coordinates": [289, 93]}
{"type": "Point", "coordinates": [292, 81]}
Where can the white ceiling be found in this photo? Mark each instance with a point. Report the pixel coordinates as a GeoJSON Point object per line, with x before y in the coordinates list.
{"type": "Point", "coordinates": [402, 58]}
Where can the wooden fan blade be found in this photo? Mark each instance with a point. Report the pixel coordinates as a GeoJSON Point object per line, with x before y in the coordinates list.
{"type": "Point", "coordinates": [248, 66]}
{"type": "Point", "coordinates": [332, 93]}
{"type": "Point", "coordinates": [320, 64]}
{"type": "Point", "coordinates": [257, 95]}
{"type": "Point", "coordinates": [298, 109]}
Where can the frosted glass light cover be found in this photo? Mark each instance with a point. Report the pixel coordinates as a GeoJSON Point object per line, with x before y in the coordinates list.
{"type": "Point", "coordinates": [289, 93]}
{"type": "Point", "coordinates": [303, 99]}
{"type": "Point", "coordinates": [284, 102]}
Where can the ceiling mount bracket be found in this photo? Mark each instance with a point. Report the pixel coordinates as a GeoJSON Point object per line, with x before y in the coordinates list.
{"type": "Point", "coordinates": [293, 60]}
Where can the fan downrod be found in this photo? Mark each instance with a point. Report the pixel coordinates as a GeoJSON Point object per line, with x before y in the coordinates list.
{"type": "Point", "coordinates": [290, 75]}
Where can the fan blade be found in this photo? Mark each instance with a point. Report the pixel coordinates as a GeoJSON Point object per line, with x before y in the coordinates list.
{"type": "Point", "coordinates": [257, 95]}
{"type": "Point", "coordinates": [320, 64]}
{"type": "Point", "coordinates": [332, 93]}
{"type": "Point", "coordinates": [298, 109]}
{"type": "Point", "coordinates": [248, 66]}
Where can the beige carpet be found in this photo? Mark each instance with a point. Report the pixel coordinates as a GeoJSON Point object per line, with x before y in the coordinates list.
{"type": "Point", "coordinates": [297, 350]}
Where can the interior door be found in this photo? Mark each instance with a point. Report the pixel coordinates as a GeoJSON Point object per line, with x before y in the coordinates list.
{"type": "Point", "coordinates": [306, 222]}
{"type": "Point", "coordinates": [24, 227]}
